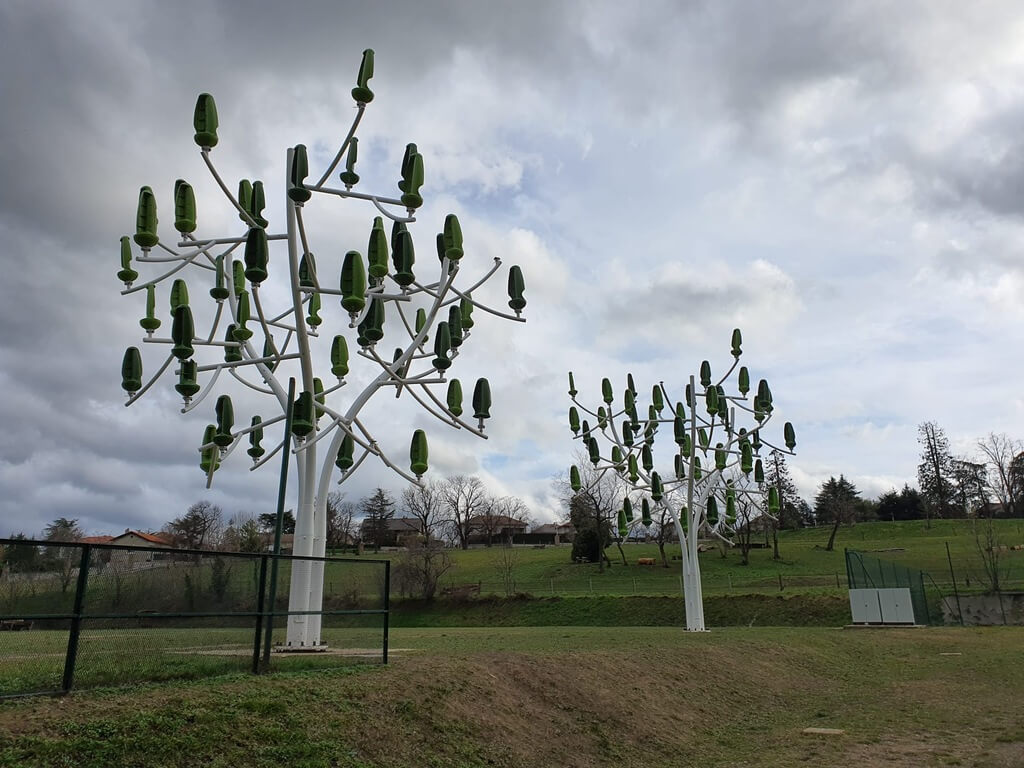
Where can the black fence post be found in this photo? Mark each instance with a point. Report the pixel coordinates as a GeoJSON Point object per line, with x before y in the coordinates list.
{"type": "Point", "coordinates": [76, 619]}
{"type": "Point", "coordinates": [279, 521]}
{"type": "Point", "coordinates": [956, 592]}
{"type": "Point", "coordinates": [260, 608]}
{"type": "Point", "coordinates": [387, 607]}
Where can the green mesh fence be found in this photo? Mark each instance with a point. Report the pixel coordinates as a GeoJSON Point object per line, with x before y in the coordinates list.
{"type": "Point", "coordinates": [86, 615]}
{"type": "Point", "coordinates": [867, 572]}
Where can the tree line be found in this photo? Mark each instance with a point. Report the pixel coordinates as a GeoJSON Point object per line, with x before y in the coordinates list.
{"type": "Point", "coordinates": [449, 511]}
{"type": "Point", "coordinates": [987, 485]}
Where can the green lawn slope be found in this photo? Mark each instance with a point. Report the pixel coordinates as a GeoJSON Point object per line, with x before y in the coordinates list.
{"type": "Point", "coordinates": [805, 565]}
{"type": "Point", "coordinates": [569, 697]}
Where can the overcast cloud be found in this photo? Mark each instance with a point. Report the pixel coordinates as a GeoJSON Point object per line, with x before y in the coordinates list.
{"type": "Point", "coordinates": [845, 182]}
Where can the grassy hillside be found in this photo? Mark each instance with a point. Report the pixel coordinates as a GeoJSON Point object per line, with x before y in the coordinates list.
{"type": "Point", "coordinates": [800, 610]}
{"type": "Point", "coordinates": [804, 563]}
{"type": "Point", "coordinates": [804, 568]}
{"type": "Point", "coordinates": [124, 652]}
{"type": "Point", "coordinates": [621, 697]}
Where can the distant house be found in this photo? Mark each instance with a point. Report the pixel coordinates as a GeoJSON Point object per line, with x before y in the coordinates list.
{"type": "Point", "coordinates": [990, 509]}
{"type": "Point", "coordinates": [553, 533]}
{"type": "Point", "coordinates": [493, 529]}
{"type": "Point", "coordinates": [141, 539]}
{"type": "Point", "coordinates": [133, 538]}
{"type": "Point", "coordinates": [287, 542]}
{"type": "Point", "coordinates": [96, 539]}
{"type": "Point", "coordinates": [399, 530]}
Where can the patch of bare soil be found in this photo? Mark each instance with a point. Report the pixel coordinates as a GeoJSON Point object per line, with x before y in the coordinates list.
{"type": "Point", "coordinates": [573, 710]}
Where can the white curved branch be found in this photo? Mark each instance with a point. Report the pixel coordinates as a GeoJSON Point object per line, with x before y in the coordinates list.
{"type": "Point", "coordinates": [184, 263]}
{"type": "Point", "coordinates": [354, 467]}
{"type": "Point", "coordinates": [381, 455]}
{"type": "Point", "coordinates": [205, 151]}
{"type": "Point", "coordinates": [377, 200]}
{"type": "Point", "coordinates": [203, 393]}
{"type": "Point", "coordinates": [150, 383]}
{"type": "Point", "coordinates": [238, 377]}
{"type": "Point", "coordinates": [344, 145]}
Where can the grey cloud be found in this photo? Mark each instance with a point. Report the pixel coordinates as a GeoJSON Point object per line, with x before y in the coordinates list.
{"type": "Point", "coordinates": [596, 118]}
{"type": "Point", "coordinates": [985, 168]}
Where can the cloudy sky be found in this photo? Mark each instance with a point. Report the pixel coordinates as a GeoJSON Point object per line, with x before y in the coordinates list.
{"type": "Point", "coordinates": [843, 181]}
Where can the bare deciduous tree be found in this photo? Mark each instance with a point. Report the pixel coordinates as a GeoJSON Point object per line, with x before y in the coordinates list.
{"type": "Point", "coordinates": [242, 534]}
{"type": "Point", "coordinates": [986, 539]}
{"type": "Point", "coordinates": [746, 513]}
{"type": "Point", "coordinates": [426, 503]}
{"type": "Point", "coordinates": [506, 561]}
{"type": "Point", "coordinates": [1000, 452]}
{"type": "Point", "coordinates": [341, 521]}
{"type": "Point", "coordinates": [498, 515]}
{"type": "Point", "coordinates": [419, 569]}
{"type": "Point", "coordinates": [464, 497]}
{"type": "Point", "coordinates": [1001, 483]}
{"type": "Point", "coordinates": [663, 531]}
{"type": "Point", "coordinates": [200, 527]}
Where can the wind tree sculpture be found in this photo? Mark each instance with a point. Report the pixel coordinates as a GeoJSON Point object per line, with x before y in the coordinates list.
{"type": "Point", "coordinates": [716, 466]}
{"type": "Point", "coordinates": [429, 322]}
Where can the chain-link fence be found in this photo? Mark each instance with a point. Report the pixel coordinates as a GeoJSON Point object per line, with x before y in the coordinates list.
{"type": "Point", "coordinates": [77, 614]}
{"type": "Point", "coordinates": [867, 572]}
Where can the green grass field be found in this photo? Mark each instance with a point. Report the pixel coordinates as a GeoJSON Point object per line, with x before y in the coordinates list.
{"type": "Point", "coordinates": [135, 651]}
{"type": "Point", "coordinates": [581, 696]}
{"type": "Point", "coordinates": [142, 648]}
{"type": "Point", "coordinates": [804, 563]}
{"type": "Point", "coordinates": [804, 567]}
{"type": "Point", "coordinates": [34, 661]}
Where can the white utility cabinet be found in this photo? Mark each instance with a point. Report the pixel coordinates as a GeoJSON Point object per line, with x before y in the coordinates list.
{"type": "Point", "coordinates": [882, 606]}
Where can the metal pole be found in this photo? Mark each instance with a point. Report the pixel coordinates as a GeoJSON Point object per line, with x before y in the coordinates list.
{"type": "Point", "coordinates": [281, 488]}
{"type": "Point", "coordinates": [261, 603]}
{"type": "Point", "coordinates": [76, 621]}
{"type": "Point", "coordinates": [924, 597]}
{"type": "Point", "coordinates": [387, 607]}
{"type": "Point", "coordinates": [956, 593]}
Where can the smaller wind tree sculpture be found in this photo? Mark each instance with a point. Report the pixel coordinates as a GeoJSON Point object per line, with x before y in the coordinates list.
{"type": "Point", "coordinates": [428, 322]}
{"type": "Point", "coordinates": [716, 467]}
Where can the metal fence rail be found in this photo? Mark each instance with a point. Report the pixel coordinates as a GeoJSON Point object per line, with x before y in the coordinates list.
{"type": "Point", "coordinates": [80, 614]}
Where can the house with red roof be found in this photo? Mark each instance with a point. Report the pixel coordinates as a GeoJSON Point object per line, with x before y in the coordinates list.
{"type": "Point", "coordinates": [96, 539]}
{"type": "Point", "coordinates": [142, 539]}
